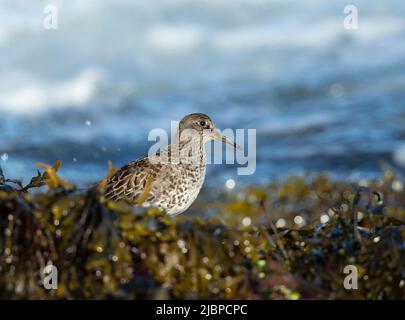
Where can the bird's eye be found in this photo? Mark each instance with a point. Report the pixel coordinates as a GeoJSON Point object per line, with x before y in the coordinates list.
{"type": "Point", "coordinates": [203, 123]}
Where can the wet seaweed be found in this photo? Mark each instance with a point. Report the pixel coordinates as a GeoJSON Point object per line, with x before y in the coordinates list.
{"type": "Point", "coordinates": [252, 247]}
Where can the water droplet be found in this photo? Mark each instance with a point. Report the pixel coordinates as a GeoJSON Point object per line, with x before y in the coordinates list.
{"type": "Point", "coordinates": [360, 215]}
{"type": "Point", "coordinates": [179, 267]}
{"type": "Point", "coordinates": [88, 123]}
{"type": "Point", "coordinates": [181, 243]}
{"type": "Point", "coordinates": [4, 157]}
{"type": "Point", "coordinates": [261, 264]}
{"type": "Point", "coordinates": [230, 183]}
{"type": "Point", "coordinates": [397, 186]}
{"type": "Point", "coordinates": [331, 212]}
{"type": "Point", "coordinates": [280, 223]}
{"type": "Point", "coordinates": [246, 221]}
{"type": "Point", "coordinates": [298, 220]}
{"type": "Point", "coordinates": [324, 218]}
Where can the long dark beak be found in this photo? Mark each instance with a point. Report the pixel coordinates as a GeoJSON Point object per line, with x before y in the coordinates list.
{"type": "Point", "coordinates": [217, 135]}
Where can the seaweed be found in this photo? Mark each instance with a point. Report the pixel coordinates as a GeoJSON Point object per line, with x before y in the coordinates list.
{"type": "Point", "coordinates": [105, 249]}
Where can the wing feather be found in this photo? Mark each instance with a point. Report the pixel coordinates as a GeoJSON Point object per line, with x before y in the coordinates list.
{"type": "Point", "coordinates": [130, 181]}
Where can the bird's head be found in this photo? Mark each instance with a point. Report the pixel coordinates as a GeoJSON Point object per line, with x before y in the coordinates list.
{"type": "Point", "coordinates": [201, 125]}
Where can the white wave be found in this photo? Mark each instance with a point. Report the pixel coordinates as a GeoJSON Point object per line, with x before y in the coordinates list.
{"type": "Point", "coordinates": [173, 38]}
{"type": "Point", "coordinates": [297, 124]}
{"type": "Point", "coordinates": [4, 37]}
{"type": "Point", "coordinates": [33, 95]}
{"type": "Point", "coordinates": [399, 156]}
{"type": "Point", "coordinates": [373, 29]}
{"type": "Point", "coordinates": [321, 34]}
{"type": "Point", "coordinates": [303, 34]}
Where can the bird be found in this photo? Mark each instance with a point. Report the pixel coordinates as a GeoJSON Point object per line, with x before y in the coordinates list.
{"type": "Point", "coordinates": [170, 179]}
{"type": "Point", "coordinates": [368, 201]}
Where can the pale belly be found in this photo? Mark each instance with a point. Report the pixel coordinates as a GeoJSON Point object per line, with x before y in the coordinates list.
{"type": "Point", "coordinates": [177, 191]}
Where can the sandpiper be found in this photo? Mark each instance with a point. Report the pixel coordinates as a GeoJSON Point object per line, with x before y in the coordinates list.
{"type": "Point", "coordinates": [367, 201]}
{"type": "Point", "coordinates": [171, 179]}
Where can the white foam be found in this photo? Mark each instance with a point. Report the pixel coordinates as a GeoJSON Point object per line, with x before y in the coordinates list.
{"type": "Point", "coordinates": [4, 36]}
{"type": "Point", "coordinates": [399, 156]}
{"type": "Point", "coordinates": [301, 123]}
{"type": "Point", "coordinates": [301, 34]}
{"type": "Point", "coordinates": [372, 29]}
{"type": "Point", "coordinates": [34, 95]}
{"type": "Point", "coordinates": [173, 38]}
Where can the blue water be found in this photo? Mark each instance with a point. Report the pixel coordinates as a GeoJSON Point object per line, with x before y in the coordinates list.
{"type": "Point", "coordinates": [321, 97]}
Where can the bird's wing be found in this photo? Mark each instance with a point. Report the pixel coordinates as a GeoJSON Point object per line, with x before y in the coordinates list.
{"type": "Point", "coordinates": [130, 181]}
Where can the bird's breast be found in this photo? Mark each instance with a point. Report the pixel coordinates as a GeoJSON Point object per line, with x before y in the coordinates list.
{"type": "Point", "coordinates": [179, 188]}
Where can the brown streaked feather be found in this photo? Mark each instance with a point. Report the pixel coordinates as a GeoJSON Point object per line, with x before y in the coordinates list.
{"type": "Point", "coordinates": [129, 182]}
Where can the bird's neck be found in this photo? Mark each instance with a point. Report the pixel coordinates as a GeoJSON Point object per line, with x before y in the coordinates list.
{"type": "Point", "coordinates": [188, 151]}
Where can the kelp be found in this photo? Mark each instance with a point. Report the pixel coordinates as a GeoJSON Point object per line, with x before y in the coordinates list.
{"type": "Point", "coordinates": [251, 245]}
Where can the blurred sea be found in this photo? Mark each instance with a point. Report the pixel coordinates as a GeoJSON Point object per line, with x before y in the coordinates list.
{"type": "Point", "coordinates": [321, 97]}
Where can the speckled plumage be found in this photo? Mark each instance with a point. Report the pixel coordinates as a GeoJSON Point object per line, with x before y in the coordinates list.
{"type": "Point", "coordinates": [175, 175]}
